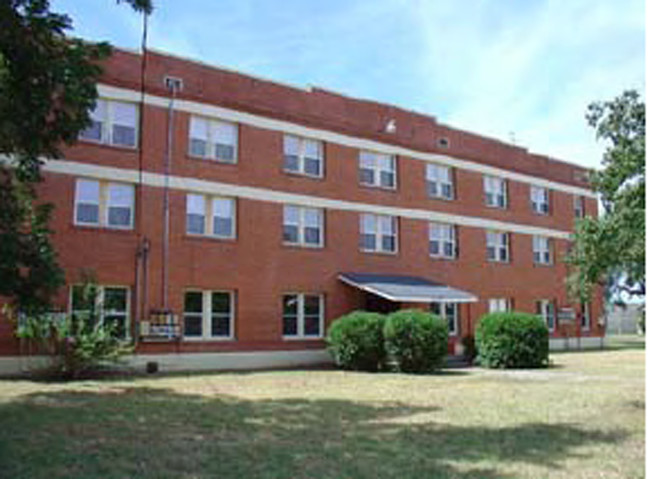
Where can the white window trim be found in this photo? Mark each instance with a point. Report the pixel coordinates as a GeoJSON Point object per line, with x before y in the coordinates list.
{"type": "Point", "coordinates": [578, 201]}
{"type": "Point", "coordinates": [536, 205]}
{"type": "Point", "coordinates": [498, 247]}
{"type": "Point", "coordinates": [301, 316]}
{"type": "Point", "coordinates": [502, 190]}
{"type": "Point", "coordinates": [209, 217]}
{"type": "Point", "coordinates": [103, 204]}
{"type": "Point", "coordinates": [108, 122]}
{"type": "Point", "coordinates": [377, 170]}
{"type": "Point", "coordinates": [302, 211]}
{"type": "Point", "coordinates": [442, 241]}
{"type": "Point", "coordinates": [498, 302]}
{"type": "Point", "coordinates": [210, 153]}
{"type": "Point", "coordinates": [99, 301]}
{"type": "Point", "coordinates": [378, 234]}
{"type": "Point", "coordinates": [434, 166]}
{"type": "Point", "coordinates": [206, 316]}
{"type": "Point", "coordinates": [443, 305]}
{"type": "Point", "coordinates": [539, 254]}
{"type": "Point", "coordinates": [585, 311]}
{"type": "Point", "coordinates": [302, 141]}
{"type": "Point", "coordinates": [543, 304]}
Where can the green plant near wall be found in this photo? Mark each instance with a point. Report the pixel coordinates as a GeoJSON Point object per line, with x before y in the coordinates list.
{"type": "Point", "coordinates": [356, 341]}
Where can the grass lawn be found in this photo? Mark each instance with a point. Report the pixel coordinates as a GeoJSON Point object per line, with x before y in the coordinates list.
{"type": "Point", "coordinates": [584, 417]}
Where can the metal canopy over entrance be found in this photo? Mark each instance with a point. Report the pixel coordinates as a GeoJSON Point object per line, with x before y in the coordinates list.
{"type": "Point", "coordinates": [407, 289]}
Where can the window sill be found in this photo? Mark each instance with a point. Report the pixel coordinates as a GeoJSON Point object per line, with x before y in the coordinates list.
{"type": "Point", "coordinates": [443, 258]}
{"type": "Point", "coordinates": [388, 189]}
{"type": "Point", "coordinates": [298, 174]}
{"type": "Point", "coordinates": [223, 239]}
{"type": "Point", "coordinates": [381, 253]}
{"type": "Point", "coordinates": [212, 160]}
{"type": "Point", "coordinates": [302, 338]}
{"type": "Point", "coordinates": [301, 246]}
{"type": "Point", "coordinates": [111, 146]}
{"type": "Point", "coordinates": [543, 265]}
{"type": "Point", "coordinates": [210, 339]}
{"type": "Point", "coordinates": [496, 207]}
{"type": "Point", "coordinates": [103, 228]}
{"type": "Point", "coordinates": [497, 262]}
{"type": "Point", "coordinates": [442, 198]}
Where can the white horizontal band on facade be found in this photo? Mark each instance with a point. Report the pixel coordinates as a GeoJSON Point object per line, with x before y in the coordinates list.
{"type": "Point", "coordinates": [195, 185]}
{"type": "Point", "coordinates": [203, 109]}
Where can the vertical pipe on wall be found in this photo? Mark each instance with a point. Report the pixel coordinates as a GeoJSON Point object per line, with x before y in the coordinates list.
{"type": "Point", "coordinates": [167, 171]}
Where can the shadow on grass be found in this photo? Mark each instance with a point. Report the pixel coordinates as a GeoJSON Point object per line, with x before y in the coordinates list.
{"type": "Point", "coordinates": [151, 432]}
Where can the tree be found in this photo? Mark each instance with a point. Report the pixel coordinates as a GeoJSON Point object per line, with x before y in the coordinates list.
{"type": "Point", "coordinates": [610, 250]}
{"type": "Point", "coordinates": [47, 88]}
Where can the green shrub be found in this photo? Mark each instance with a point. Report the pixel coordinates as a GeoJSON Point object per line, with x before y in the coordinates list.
{"type": "Point", "coordinates": [356, 341]}
{"type": "Point", "coordinates": [416, 341]}
{"type": "Point", "coordinates": [469, 349]}
{"type": "Point", "coordinates": [512, 340]}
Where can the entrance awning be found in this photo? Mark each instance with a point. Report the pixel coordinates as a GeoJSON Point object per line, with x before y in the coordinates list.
{"type": "Point", "coordinates": [406, 288]}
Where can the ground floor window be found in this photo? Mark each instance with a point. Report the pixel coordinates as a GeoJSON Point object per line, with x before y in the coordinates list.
{"type": "Point", "coordinates": [106, 304]}
{"type": "Point", "coordinates": [450, 312]}
{"type": "Point", "coordinates": [585, 316]}
{"type": "Point", "coordinates": [302, 315]}
{"type": "Point", "coordinates": [546, 309]}
{"type": "Point", "coordinates": [208, 314]}
{"type": "Point", "coordinates": [499, 305]}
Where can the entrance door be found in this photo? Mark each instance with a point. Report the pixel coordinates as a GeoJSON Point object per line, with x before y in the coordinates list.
{"type": "Point", "coordinates": [377, 304]}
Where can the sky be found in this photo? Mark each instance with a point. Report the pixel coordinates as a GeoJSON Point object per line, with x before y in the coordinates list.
{"type": "Point", "coordinates": [521, 71]}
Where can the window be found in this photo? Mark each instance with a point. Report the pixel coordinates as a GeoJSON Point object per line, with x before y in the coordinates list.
{"type": "Point", "coordinates": [578, 206]}
{"type": "Point", "coordinates": [113, 123]}
{"type": "Point", "coordinates": [448, 311]}
{"type": "Point", "coordinates": [376, 169]}
{"type": "Point", "coordinates": [542, 250]}
{"type": "Point", "coordinates": [378, 233]}
{"type": "Point", "coordinates": [302, 315]}
{"type": "Point", "coordinates": [439, 182]}
{"type": "Point", "coordinates": [546, 309]}
{"type": "Point", "coordinates": [220, 211]}
{"type": "Point", "coordinates": [107, 304]}
{"type": "Point", "coordinates": [539, 200]}
{"type": "Point", "coordinates": [304, 156]}
{"type": "Point", "coordinates": [442, 240]}
{"type": "Point", "coordinates": [495, 192]}
{"type": "Point", "coordinates": [303, 226]}
{"type": "Point", "coordinates": [499, 305]}
{"type": "Point", "coordinates": [208, 314]}
{"type": "Point", "coordinates": [213, 139]}
{"type": "Point", "coordinates": [100, 203]}
{"type": "Point", "coordinates": [585, 316]}
{"type": "Point", "coordinates": [497, 246]}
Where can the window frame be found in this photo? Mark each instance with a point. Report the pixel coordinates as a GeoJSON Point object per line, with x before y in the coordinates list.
{"type": "Point", "coordinates": [104, 204]}
{"type": "Point", "coordinates": [108, 122]}
{"type": "Point", "coordinates": [443, 240]}
{"type": "Point", "coordinates": [300, 316]}
{"type": "Point", "coordinates": [438, 182]}
{"type": "Point", "coordinates": [499, 305]}
{"type": "Point", "coordinates": [540, 206]}
{"type": "Point", "coordinates": [498, 247]}
{"type": "Point", "coordinates": [541, 308]}
{"type": "Point", "coordinates": [210, 151]}
{"type": "Point", "coordinates": [578, 206]}
{"type": "Point", "coordinates": [209, 216]}
{"type": "Point", "coordinates": [99, 305]}
{"type": "Point", "coordinates": [542, 247]}
{"type": "Point", "coordinates": [302, 148]}
{"type": "Point", "coordinates": [377, 170]}
{"type": "Point", "coordinates": [206, 315]}
{"type": "Point", "coordinates": [302, 225]}
{"type": "Point", "coordinates": [489, 191]}
{"type": "Point", "coordinates": [378, 233]}
{"type": "Point", "coordinates": [585, 313]}
{"type": "Point", "coordinates": [455, 319]}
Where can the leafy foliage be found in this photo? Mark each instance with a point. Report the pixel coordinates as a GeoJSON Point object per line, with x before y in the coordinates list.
{"type": "Point", "coordinates": [416, 341]}
{"type": "Point", "coordinates": [610, 250]}
{"type": "Point", "coordinates": [356, 341]}
{"type": "Point", "coordinates": [512, 340]}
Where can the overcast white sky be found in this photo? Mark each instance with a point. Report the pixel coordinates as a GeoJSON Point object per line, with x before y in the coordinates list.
{"type": "Point", "coordinates": [522, 69]}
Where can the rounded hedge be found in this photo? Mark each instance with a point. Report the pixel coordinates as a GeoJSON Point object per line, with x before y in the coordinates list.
{"type": "Point", "coordinates": [512, 340]}
{"type": "Point", "coordinates": [416, 341]}
{"type": "Point", "coordinates": [356, 341]}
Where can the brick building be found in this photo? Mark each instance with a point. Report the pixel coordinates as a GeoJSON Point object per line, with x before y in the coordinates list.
{"type": "Point", "coordinates": [229, 219]}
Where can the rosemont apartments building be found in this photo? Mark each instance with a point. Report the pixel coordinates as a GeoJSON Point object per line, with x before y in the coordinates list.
{"type": "Point", "coordinates": [229, 219]}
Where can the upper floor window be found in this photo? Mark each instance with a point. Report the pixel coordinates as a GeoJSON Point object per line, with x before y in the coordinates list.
{"type": "Point", "coordinates": [539, 200]}
{"type": "Point", "coordinates": [499, 305]}
{"type": "Point", "coordinates": [448, 311]}
{"type": "Point", "coordinates": [303, 156]}
{"type": "Point", "coordinates": [303, 226]}
{"type": "Point", "coordinates": [542, 253]}
{"type": "Point", "coordinates": [100, 203]}
{"type": "Point", "coordinates": [302, 315]}
{"type": "Point", "coordinates": [107, 304]}
{"type": "Point", "coordinates": [546, 309]}
{"type": "Point", "coordinates": [578, 206]}
{"type": "Point", "coordinates": [377, 169]}
{"type": "Point", "coordinates": [213, 139]}
{"type": "Point", "coordinates": [113, 123]}
{"type": "Point", "coordinates": [208, 314]}
{"type": "Point", "coordinates": [378, 233]}
{"type": "Point", "coordinates": [210, 216]}
{"type": "Point", "coordinates": [498, 246]}
{"type": "Point", "coordinates": [496, 194]}
{"type": "Point", "coordinates": [439, 182]}
{"type": "Point", "coordinates": [442, 240]}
